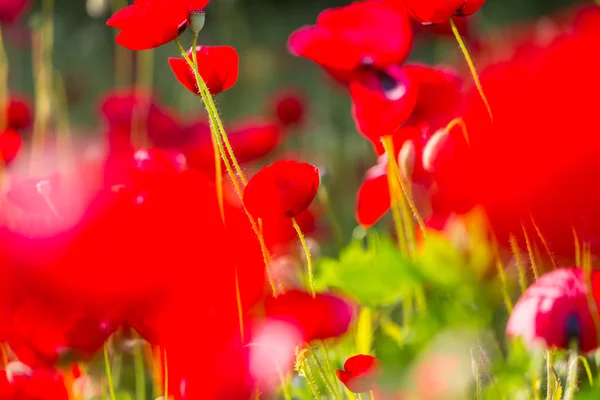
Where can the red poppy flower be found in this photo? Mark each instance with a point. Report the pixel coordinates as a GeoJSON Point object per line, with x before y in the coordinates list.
{"type": "Point", "coordinates": [373, 199]}
{"type": "Point", "coordinates": [10, 145]}
{"type": "Point", "coordinates": [289, 108]}
{"type": "Point", "coordinates": [383, 100]}
{"type": "Point", "coordinates": [547, 178]}
{"type": "Point", "coordinates": [19, 113]}
{"type": "Point", "coordinates": [128, 109]}
{"type": "Point", "coordinates": [372, 33]}
{"type": "Point", "coordinates": [218, 66]}
{"type": "Point", "coordinates": [440, 11]}
{"type": "Point", "coordinates": [250, 139]}
{"type": "Point", "coordinates": [280, 235]}
{"type": "Point", "coordinates": [283, 189]}
{"type": "Point", "coordinates": [359, 373]}
{"type": "Point", "coordinates": [322, 317]}
{"type": "Point", "coordinates": [151, 23]}
{"type": "Point", "coordinates": [555, 311]}
{"type": "Point", "coordinates": [11, 10]}
{"type": "Point", "coordinates": [20, 382]}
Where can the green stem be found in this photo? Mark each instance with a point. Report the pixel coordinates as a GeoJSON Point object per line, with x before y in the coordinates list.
{"type": "Point", "coordinates": [238, 298]}
{"type": "Point", "coordinates": [532, 259]}
{"type": "Point", "coordinates": [549, 375]}
{"type": "Point", "coordinates": [330, 369]}
{"type": "Point", "coordinates": [140, 372]}
{"type": "Point", "coordinates": [472, 68]}
{"type": "Point", "coordinates": [572, 377]}
{"type": "Point", "coordinates": [166, 374]}
{"type": "Point", "coordinates": [311, 279]}
{"type": "Point", "coordinates": [517, 254]}
{"type": "Point", "coordinates": [323, 374]}
{"type": "Point", "coordinates": [111, 387]}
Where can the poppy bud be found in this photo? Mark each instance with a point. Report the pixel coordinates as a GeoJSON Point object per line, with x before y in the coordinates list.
{"type": "Point", "coordinates": [407, 158]}
{"type": "Point", "coordinates": [197, 20]}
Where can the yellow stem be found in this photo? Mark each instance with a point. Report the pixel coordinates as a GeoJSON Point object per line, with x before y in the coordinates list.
{"type": "Point", "coordinates": [472, 68]}
{"type": "Point", "coordinates": [4, 354]}
{"type": "Point", "coordinates": [388, 145]}
{"type": "Point", "coordinates": [578, 258]}
{"type": "Point", "coordinates": [238, 298]}
{"type": "Point", "coordinates": [532, 259]}
{"type": "Point", "coordinates": [502, 276]}
{"type": "Point", "coordinates": [213, 116]}
{"type": "Point", "coordinates": [123, 56]}
{"type": "Point", "coordinates": [402, 231]}
{"type": "Point", "coordinates": [166, 374]}
{"type": "Point", "coordinates": [461, 123]}
{"type": "Point", "coordinates": [311, 280]}
{"type": "Point", "coordinates": [517, 254]}
{"type": "Point", "coordinates": [111, 387]}
{"type": "Point", "coordinates": [544, 242]}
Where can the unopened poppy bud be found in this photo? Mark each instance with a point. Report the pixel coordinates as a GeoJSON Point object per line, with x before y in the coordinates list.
{"type": "Point", "coordinates": [433, 148]}
{"type": "Point", "coordinates": [17, 368]}
{"type": "Point", "coordinates": [407, 158]}
{"type": "Point", "coordinates": [197, 20]}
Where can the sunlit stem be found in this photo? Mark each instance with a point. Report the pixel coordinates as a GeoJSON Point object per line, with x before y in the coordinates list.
{"type": "Point", "coordinates": [544, 242]}
{"type": "Point", "coordinates": [588, 370]}
{"type": "Point", "coordinates": [4, 354]}
{"type": "Point", "coordinates": [372, 394]}
{"type": "Point", "coordinates": [109, 378]}
{"type": "Point", "coordinates": [592, 305]}
{"type": "Point", "coordinates": [517, 254]}
{"type": "Point", "coordinates": [388, 145]}
{"type": "Point", "coordinates": [578, 258]}
{"type": "Point", "coordinates": [211, 104]}
{"type": "Point", "coordinates": [503, 282]}
{"type": "Point", "coordinates": [401, 231]}
{"type": "Point", "coordinates": [358, 396]}
{"type": "Point", "coordinates": [324, 376]}
{"type": "Point", "coordinates": [4, 100]}
{"type": "Point", "coordinates": [42, 46]}
{"type": "Point", "coordinates": [463, 127]}
{"type": "Point", "coordinates": [166, 373]}
{"type": "Point", "coordinates": [532, 259]}
{"type": "Point", "coordinates": [572, 376]}
{"type": "Point", "coordinates": [477, 377]}
{"type": "Point", "coordinates": [311, 279]}
{"type": "Point", "coordinates": [238, 299]}
{"type": "Point", "coordinates": [330, 370]}
{"type": "Point", "coordinates": [311, 379]}
{"type": "Point", "coordinates": [213, 117]}
{"type": "Point", "coordinates": [139, 371]}
{"type": "Point", "coordinates": [144, 81]}
{"type": "Point", "coordinates": [549, 375]}
{"type": "Point", "coordinates": [472, 68]}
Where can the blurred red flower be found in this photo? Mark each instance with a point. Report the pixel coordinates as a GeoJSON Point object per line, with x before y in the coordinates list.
{"type": "Point", "coordinates": [555, 310]}
{"type": "Point", "coordinates": [324, 316]}
{"type": "Point", "coordinates": [251, 139]}
{"type": "Point", "coordinates": [383, 100]}
{"type": "Point", "coordinates": [10, 145]}
{"type": "Point", "coordinates": [440, 11]}
{"type": "Point", "coordinates": [218, 67]}
{"type": "Point", "coordinates": [19, 112]}
{"type": "Point", "coordinates": [371, 33]}
{"type": "Point", "coordinates": [283, 189]}
{"type": "Point", "coordinates": [11, 10]}
{"type": "Point", "coordinates": [360, 373]}
{"type": "Point", "coordinates": [289, 107]}
{"type": "Point", "coordinates": [524, 168]}
{"type": "Point", "coordinates": [151, 23]}
{"type": "Point", "coordinates": [20, 382]}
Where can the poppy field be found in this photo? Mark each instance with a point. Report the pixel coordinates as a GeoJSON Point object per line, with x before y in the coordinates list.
{"type": "Point", "coordinates": [256, 199]}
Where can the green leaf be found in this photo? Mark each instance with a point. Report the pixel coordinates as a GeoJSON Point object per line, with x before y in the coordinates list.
{"type": "Point", "coordinates": [375, 274]}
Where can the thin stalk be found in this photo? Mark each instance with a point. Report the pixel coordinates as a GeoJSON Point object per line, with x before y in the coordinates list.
{"type": "Point", "coordinates": [4, 354]}
{"type": "Point", "coordinates": [109, 378]}
{"type": "Point", "coordinates": [311, 279]}
{"type": "Point", "coordinates": [330, 369]}
{"type": "Point", "coordinates": [238, 299]}
{"type": "Point", "coordinates": [549, 375]}
{"type": "Point", "coordinates": [140, 372]}
{"type": "Point", "coordinates": [532, 259]}
{"type": "Point", "coordinates": [578, 258]}
{"type": "Point", "coordinates": [323, 374]}
{"type": "Point", "coordinates": [517, 254]}
{"type": "Point", "coordinates": [572, 376]}
{"type": "Point", "coordinates": [388, 145]}
{"type": "Point", "coordinates": [144, 81]}
{"type": "Point", "coordinates": [311, 380]}
{"type": "Point", "coordinates": [588, 370]}
{"type": "Point", "coordinates": [401, 232]}
{"type": "Point", "coordinates": [472, 68]}
{"type": "Point", "coordinates": [166, 373]}
{"type": "Point", "coordinates": [460, 123]}
{"type": "Point", "coordinates": [123, 56]}
{"type": "Point", "coordinates": [544, 242]}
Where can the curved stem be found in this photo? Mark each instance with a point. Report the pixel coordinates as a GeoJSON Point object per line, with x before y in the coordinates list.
{"type": "Point", "coordinates": [311, 280]}
{"type": "Point", "coordinates": [544, 242]}
{"type": "Point", "coordinates": [388, 145]}
{"type": "Point", "coordinates": [213, 116]}
{"type": "Point", "coordinates": [111, 387]}
{"type": "Point", "coordinates": [238, 299]}
{"type": "Point", "coordinates": [166, 373]}
{"type": "Point", "coordinates": [323, 374]}
{"type": "Point", "coordinates": [472, 68]}
{"type": "Point", "coordinates": [532, 259]}
{"type": "Point", "coordinates": [461, 123]}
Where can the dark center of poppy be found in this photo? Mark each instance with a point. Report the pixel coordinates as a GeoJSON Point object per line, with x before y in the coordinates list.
{"type": "Point", "coordinates": [572, 330]}
{"type": "Point", "coordinates": [387, 82]}
{"type": "Point", "coordinates": [182, 27]}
